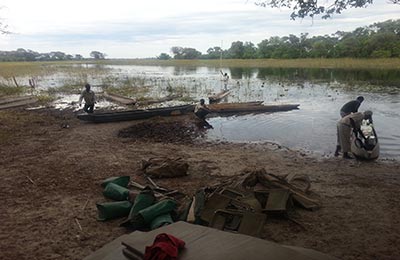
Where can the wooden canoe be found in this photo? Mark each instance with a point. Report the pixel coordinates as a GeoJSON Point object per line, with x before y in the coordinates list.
{"type": "Point", "coordinates": [119, 99]}
{"type": "Point", "coordinates": [12, 102]}
{"type": "Point", "coordinates": [160, 100]}
{"type": "Point", "coordinates": [250, 107]}
{"type": "Point", "coordinates": [218, 97]}
{"type": "Point", "coordinates": [136, 114]}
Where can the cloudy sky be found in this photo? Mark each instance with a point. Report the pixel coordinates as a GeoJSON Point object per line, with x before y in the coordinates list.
{"type": "Point", "coordinates": [140, 28]}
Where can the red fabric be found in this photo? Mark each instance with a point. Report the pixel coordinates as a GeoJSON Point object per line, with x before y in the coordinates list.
{"type": "Point", "coordinates": [164, 247]}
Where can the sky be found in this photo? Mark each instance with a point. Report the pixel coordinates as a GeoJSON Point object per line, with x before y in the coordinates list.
{"type": "Point", "coordinates": [145, 29]}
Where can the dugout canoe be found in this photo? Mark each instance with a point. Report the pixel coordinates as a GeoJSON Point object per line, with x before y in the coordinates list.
{"type": "Point", "coordinates": [12, 102]}
{"type": "Point", "coordinates": [136, 114]}
{"type": "Point", "coordinates": [250, 107]}
{"type": "Point", "coordinates": [119, 99]}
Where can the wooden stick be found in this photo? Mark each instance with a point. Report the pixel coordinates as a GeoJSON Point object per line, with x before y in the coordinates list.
{"type": "Point", "coordinates": [84, 206]}
{"type": "Point", "coordinates": [30, 179]}
{"type": "Point", "coordinates": [15, 81]}
{"type": "Point", "coordinates": [137, 185]}
{"type": "Point", "coordinates": [79, 225]}
{"type": "Point", "coordinates": [152, 182]}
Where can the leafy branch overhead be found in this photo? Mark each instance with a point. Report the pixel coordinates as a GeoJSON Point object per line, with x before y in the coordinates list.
{"type": "Point", "coordinates": [3, 27]}
{"type": "Point", "coordinates": [311, 8]}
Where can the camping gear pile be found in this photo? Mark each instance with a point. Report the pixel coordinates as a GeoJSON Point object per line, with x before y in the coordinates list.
{"type": "Point", "coordinates": [243, 204]}
{"type": "Point", "coordinates": [144, 210]}
{"type": "Point", "coordinates": [239, 205]}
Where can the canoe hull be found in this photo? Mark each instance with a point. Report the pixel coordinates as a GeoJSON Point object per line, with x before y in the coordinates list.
{"type": "Point", "coordinates": [136, 114]}
{"type": "Point", "coordinates": [251, 107]}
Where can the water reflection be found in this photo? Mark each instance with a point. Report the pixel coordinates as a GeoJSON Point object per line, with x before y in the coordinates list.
{"type": "Point", "coordinates": [374, 77]}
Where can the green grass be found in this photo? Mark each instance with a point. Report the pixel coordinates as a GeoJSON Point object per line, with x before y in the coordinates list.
{"type": "Point", "coordinates": [34, 69]}
{"type": "Point", "coordinates": [18, 69]}
{"type": "Point", "coordinates": [66, 89]}
{"type": "Point", "coordinates": [12, 90]}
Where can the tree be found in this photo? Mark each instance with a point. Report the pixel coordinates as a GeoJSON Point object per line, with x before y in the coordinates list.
{"type": "Point", "coordinates": [311, 8]}
{"type": "Point", "coordinates": [164, 56]}
{"type": "Point", "coordinates": [249, 51]}
{"type": "Point", "coordinates": [97, 55]}
{"type": "Point", "coordinates": [214, 53]}
{"type": "Point", "coordinates": [236, 50]}
{"type": "Point", "coordinates": [185, 53]}
{"type": "Point", "coordinates": [177, 52]}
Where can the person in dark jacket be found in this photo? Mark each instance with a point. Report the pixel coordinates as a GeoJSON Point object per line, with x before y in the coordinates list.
{"type": "Point", "coordinates": [351, 106]}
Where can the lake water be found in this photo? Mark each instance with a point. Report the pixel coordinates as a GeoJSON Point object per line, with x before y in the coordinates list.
{"type": "Point", "coordinates": [320, 93]}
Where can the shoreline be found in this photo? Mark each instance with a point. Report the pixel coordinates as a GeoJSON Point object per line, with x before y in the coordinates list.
{"type": "Point", "coordinates": [49, 172]}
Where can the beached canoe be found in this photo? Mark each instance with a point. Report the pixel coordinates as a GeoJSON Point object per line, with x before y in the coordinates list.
{"type": "Point", "coordinates": [11, 102]}
{"type": "Point", "coordinates": [136, 114]}
{"type": "Point", "coordinates": [250, 107]}
{"type": "Point", "coordinates": [119, 99]}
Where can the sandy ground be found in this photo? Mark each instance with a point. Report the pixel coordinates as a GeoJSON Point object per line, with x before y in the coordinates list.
{"type": "Point", "coordinates": [50, 175]}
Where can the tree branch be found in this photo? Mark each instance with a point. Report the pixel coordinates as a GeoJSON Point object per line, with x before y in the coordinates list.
{"type": "Point", "coordinates": [311, 8]}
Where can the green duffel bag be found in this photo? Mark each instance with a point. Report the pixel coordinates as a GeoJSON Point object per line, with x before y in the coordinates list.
{"type": "Point", "coordinates": [160, 221]}
{"type": "Point", "coordinates": [121, 181]}
{"type": "Point", "coordinates": [143, 200]}
{"type": "Point", "coordinates": [116, 192]}
{"type": "Point", "coordinates": [112, 210]}
{"type": "Point", "coordinates": [160, 208]}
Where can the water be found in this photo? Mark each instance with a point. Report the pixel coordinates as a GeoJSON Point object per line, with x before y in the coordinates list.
{"type": "Point", "coordinates": [320, 93]}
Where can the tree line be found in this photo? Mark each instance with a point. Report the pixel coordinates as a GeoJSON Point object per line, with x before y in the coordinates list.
{"type": "Point", "coordinates": [379, 40]}
{"type": "Point", "coordinates": [29, 55]}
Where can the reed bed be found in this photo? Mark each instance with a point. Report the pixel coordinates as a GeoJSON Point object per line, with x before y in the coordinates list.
{"type": "Point", "coordinates": [343, 63]}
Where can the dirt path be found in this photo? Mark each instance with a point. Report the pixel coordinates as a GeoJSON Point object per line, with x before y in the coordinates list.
{"type": "Point", "coordinates": [49, 172]}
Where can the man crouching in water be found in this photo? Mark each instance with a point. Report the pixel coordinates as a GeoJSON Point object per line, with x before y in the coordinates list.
{"type": "Point", "coordinates": [344, 126]}
{"type": "Point", "coordinates": [90, 99]}
{"type": "Point", "coordinates": [201, 110]}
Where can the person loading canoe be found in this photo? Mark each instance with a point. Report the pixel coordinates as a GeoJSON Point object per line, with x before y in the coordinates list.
{"type": "Point", "coordinates": [351, 106]}
{"type": "Point", "coordinates": [345, 126]}
{"type": "Point", "coordinates": [200, 111]}
{"type": "Point", "coordinates": [90, 99]}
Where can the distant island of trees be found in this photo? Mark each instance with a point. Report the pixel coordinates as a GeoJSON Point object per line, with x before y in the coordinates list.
{"type": "Point", "coordinates": [29, 55]}
{"type": "Point", "coordinates": [379, 40]}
